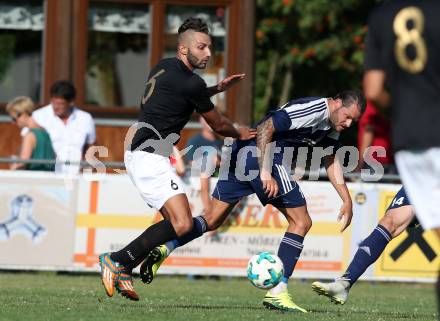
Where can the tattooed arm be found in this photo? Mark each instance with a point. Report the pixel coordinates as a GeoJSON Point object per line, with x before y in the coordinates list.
{"type": "Point", "coordinates": [264, 136]}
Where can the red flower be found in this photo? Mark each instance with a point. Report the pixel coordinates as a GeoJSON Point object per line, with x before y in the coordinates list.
{"type": "Point", "coordinates": [259, 34]}
{"type": "Point", "coordinates": [294, 51]}
{"type": "Point", "coordinates": [309, 53]}
{"type": "Point", "coordinates": [358, 39]}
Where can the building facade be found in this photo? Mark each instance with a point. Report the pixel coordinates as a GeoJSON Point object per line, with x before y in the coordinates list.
{"type": "Point", "coordinates": [107, 47]}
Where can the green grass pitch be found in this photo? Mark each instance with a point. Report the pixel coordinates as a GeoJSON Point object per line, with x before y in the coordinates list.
{"type": "Point", "coordinates": [51, 296]}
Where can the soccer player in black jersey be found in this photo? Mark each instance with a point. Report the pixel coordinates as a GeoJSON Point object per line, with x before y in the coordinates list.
{"type": "Point", "coordinates": [403, 70]}
{"type": "Point", "coordinates": [172, 94]}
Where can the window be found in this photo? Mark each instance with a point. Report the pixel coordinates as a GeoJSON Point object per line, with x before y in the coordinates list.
{"type": "Point", "coordinates": [216, 17]}
{"type": "Point", "coordinates": [118, 55]}
{"type": "Point", "coordinates": [21, 38]}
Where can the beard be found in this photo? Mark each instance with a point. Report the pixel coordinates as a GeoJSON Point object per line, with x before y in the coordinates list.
{"type": "Point", "coordinates": [195, 62]}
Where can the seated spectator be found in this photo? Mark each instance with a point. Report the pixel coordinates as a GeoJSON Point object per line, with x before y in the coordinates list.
{"type": "Point", "coordinates": [71, 130]}
{"type": "Point", "coordinates": [36, 143]}
{"type": "Point", "coordinates": [374, 131]}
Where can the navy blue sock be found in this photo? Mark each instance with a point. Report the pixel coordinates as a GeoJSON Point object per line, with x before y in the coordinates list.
{"type": "Point", "coordinates": [199, 227]}
{"type": "Point", "coordinates": [368, 252]}
{"type": "Point", "coordinates": [289, 252]}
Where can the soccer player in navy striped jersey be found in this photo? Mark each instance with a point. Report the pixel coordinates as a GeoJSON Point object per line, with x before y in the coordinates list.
{"type": "Point", "coordinates": [314, 122]}
{"type": "Point", "coordinates": [399, 216]}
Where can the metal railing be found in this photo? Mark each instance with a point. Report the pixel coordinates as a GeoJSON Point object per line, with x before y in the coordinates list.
{"type": "Point", "coordinates": [356, 176]}
{"type": "Point", "coordinates": [113, 122]}
{"type": "Point", "coordinates": [83, 163]}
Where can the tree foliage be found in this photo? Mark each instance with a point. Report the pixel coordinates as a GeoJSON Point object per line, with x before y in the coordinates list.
{"type": "Point", "coordinates": [7, 46]}
{"type": "Point", "coordinates": [308, 48]}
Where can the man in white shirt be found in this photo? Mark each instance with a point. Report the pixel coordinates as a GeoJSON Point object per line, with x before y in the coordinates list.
{"type": "Point", "coordinates": [71, 130]}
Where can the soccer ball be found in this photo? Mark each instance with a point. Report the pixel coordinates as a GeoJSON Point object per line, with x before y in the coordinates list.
{"type": "Point", "coordinates": [265, 270]}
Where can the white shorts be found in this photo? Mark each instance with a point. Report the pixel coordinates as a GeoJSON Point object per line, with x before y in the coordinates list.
{"type": "Point", "coordinates": [154, 177]}
{"type": "Point", "coordinates": [420, 174]}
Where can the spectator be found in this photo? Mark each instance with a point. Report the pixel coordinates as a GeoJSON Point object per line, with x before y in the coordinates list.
{"type": "Point", "coordinates": [36, 142]}
{"type": "Point", "coordinates": [374, 131]}
{"type": "Point", "coordinates": [203, 143]}
{"type": "Point", "coordinates": [71, 130]}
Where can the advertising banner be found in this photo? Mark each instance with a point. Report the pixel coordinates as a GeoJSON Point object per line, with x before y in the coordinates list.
{"type": "Point", "coordinates": [109, 217]}
{"type": "Point", "coordinates": [37, 220]}
{"type": "Point", "coordinates": [413, 254]}
{"type": "Point", "coordinates": [46, 223]}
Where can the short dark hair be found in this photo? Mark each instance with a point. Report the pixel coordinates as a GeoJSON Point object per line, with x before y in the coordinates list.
{"type": "Point", "coordinates": [350, 97]}
{"type": "Point", "coordinates": [195, 24]}
{"type": "Point", "coordinates": [63, 89]}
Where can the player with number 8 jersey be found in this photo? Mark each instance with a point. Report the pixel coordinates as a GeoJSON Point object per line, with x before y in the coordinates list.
{"type": "Point", "coordinates": [403, 51]}
{"type": "Point", "coordinates": [402, 65]}
{"type": "Point", "coordinates": [173, 92]}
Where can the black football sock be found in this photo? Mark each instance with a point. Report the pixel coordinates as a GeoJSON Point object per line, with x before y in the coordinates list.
{"type": "Point", "coordinates": [135, 252]}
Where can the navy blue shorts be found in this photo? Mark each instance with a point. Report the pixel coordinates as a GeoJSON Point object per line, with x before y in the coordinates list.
{"type": "Point", "coordinates": [232, 189]}
{"type": "Point", "coordinates": [399, 200]}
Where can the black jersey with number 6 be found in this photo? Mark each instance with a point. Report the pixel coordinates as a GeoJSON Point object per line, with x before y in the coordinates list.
{"type": "Point", "coordinates": [404, 41]}
{"type": "Point", "coordinates": [173, 92]}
